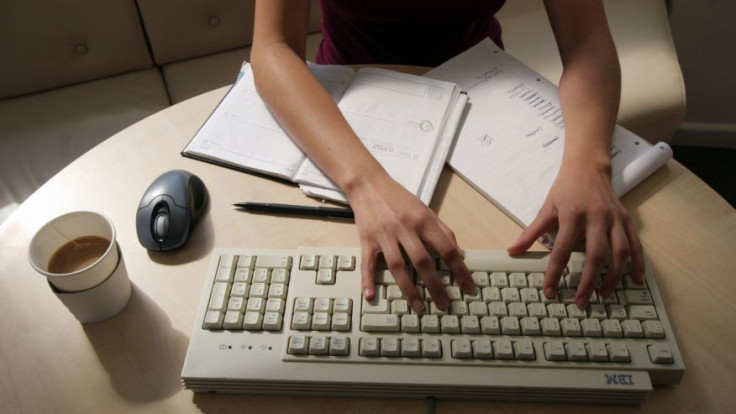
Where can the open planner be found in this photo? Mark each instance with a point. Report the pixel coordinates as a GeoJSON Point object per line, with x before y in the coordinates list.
{"type": "Point", "coordinates": [511, 142]}
{"type": "Point", "coordinates": [407, 122]}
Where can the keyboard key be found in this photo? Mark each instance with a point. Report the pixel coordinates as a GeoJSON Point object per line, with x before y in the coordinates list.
{"type": "Point", "coordinates": [642, 312]}
{"type": "Point", "coordinates": [411, 348]}
{"type": "Point", "coordinates": [280, 276]}
{"type": "Point", "coordinates": [550, 327]}
{"type": "Point", "coordinates": [555, 351]}
{"type": "Point", "coordinates": [390, 347]}
{"type": "Point", "coordinates": [524, 351]}
{"type": "Point", "coordinates": [376, 305]}
{"type": "Point", "coordinates": [618, 352]}
{"type": "Point", "coordinates": [491, 294]}
{"type": "Point", "coordinates": [327, 262]}
{"type": "Point", "coordinates": [261, 275]}
{"type": "Point", "coordinates": [275, 304]}
{"type": "Point", "coordinates": [342, 305]}
{"type": "Point", "coordinates": [340, 322]}
{"type": "Point", "coordinates": [318, 345]}
{"type": "Point", "coordinates": [400, 307]}
{"type": "Point", "coordinates": [469, 325]}
{"type": "Point", "coordinates": [273, 261]}
{"type": "Point", "coordinates": [612, 328]}
{"type": "Point", "coordinates": [570, 327]}
{"type": "Point", "coordinates": [379, 323]}
{"type": "Point", "coordinates": [461, 349]}
{"type": "Point", "coordinates": [458, 307]}
{"type": "Point", "coordinates": [252, 321]}
{"type": "Point", "coordinates": [556, 310]}
{"type": "Point", "coordinates": [660, 354]}
{"type": "Point", "coordinates": [233, 320]}
{"type": "Point", "coordinates": [509, 295]}
{"type": "Point", "coordinates": [255, 305]}
{"type": "Point", "coordinates": [301, 321]}
{"type": "Point", "coordinates": [510, 326]}
{"type": "Point", "coordinates": [617, 312]}
{"type": "Point", "coordinates": [272, 321]}
{"type": "Point", "coordinates": [410, 323]}
{"type": "Point", "coordinates": [597, 352]}
{"type": "Point", "coordinates": [277, 290]}
{"type": "Point", "coordinates": [529, 295]}
{"type": "Point", "coordinates": [499, 280]}
{"type": "Point", "coordinates": [490, 325]}
{"type": "Point", "coordinates": [321, 321]}
{"type": "Point", "coordinates": [530, 326]}
{"type": "Point", "coordinates": [653, 329]}
{"type": "Point", "coordinates": [431, 348]}
{"type": "Point", "coordinates": [517, 280]}
{"type": "Point", "coordinates": [213, 320]}
{"type": "Point", "coordinates": [481, 279]}
{"type": "Point", "coordinates": [430, 324]}
{"type": "Point", "coordinates": [450, 324]}
{"type": "Point", "coordinates": [497, 309]}
{"type": "Point", "coordinates": [346, 263]}
{"type": "Point", "coordinates": [218, 297]}
{"type": "Point", "coordinates": [298, 345]}
{"type": "Point", "coordinates": [591, 328]}
{"type": "Point", "coordinates": [503, 349]}
{"type": "Point", "coordinates": [632, 328]}
{"type": "Point", "coordinates": [322, 305]}
{"type": "Point", "coordinates": [236, 304]}
{"type": "Point", "coordinates": [537, 310]}
{"type": "Point", "coordinates": [225, 268]}
{"type": "Point", "coordinates": [369, 346]}
{"type": "Point", "coordinates": [326, 277]}
{"type": "Point", "coordinates": [303, 305]}
{"type": "Point", "coordinates": [339, 346]}
{"type": "Point", "coordinates": [308, 262]}
{"type": "Point", "coordinates": [240, 289]}
{"type": "Point", "coordinates": [576, 351]}
{"type": "Point", "coordinates": [482, 349]}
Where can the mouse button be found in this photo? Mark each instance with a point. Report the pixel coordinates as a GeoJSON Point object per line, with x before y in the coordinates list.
{"type": "Point", "coordinates": [179, 224]}
{"type": "Point", "coordinates": [161, 226]}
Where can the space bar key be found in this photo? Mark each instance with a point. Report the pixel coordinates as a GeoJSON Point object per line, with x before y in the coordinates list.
{"type": "Point", "coordinates": [379, 323]}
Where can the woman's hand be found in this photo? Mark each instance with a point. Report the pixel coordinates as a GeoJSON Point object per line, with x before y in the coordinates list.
{"type": "Point", "coordinates": [582, 204]}
{"type": "Point", "coordinates": [392, 221]}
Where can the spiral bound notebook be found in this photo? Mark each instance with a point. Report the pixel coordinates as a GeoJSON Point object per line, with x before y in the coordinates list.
{"type": "Point", "coordinates": [510, 145]}
{"type": "Point", "coordinates": [407, 122]}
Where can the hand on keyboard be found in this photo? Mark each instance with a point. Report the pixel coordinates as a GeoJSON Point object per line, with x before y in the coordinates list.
{"type": "Point", "coordinates": [392, 221]}
{"type": "Point", "coordinates": [582, 205]}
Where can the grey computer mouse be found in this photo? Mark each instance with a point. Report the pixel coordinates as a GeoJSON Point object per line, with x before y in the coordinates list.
{"type": "Point", "coordinates": [168, 210]}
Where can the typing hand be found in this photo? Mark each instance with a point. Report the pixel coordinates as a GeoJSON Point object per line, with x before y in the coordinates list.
{"type": "Point", "coordinates": [582, 204]}
{"type": "Point", "coordinates": [392, 221]}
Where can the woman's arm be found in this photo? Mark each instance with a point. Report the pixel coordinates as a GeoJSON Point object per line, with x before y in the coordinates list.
{"type": "Point", "coordinates": [581, 202]}
{"type": "Point", "coordinates": [390, 219]}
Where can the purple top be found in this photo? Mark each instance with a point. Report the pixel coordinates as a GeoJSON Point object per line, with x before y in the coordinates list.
{"type": "Point", "coordinates": [414, 32]}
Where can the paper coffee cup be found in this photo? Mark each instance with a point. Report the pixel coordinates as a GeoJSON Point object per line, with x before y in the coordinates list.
{"type": "Point", "coordinates": [100, 287]}
{"type": "Point", "coordinates": [66, 229]}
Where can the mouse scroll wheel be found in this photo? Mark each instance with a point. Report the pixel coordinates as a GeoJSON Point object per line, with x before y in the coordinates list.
{"type": "Point", "coordinates": [161, 226]}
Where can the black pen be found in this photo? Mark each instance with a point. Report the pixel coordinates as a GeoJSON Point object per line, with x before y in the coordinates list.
{"type": "Point", "coordinates": [275, 208]}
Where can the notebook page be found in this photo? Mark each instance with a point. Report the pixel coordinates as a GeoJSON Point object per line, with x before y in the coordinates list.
{"type": "Point", "coordinates": [510, 146]}
{"type": "Point", "coordinates": [398, 117]}
{"type": "Point", "coordinates": [243, 133]}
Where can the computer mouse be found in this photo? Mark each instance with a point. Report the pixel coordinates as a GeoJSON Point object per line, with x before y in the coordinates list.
{"type": "Point", "coordinates": [168, 210]}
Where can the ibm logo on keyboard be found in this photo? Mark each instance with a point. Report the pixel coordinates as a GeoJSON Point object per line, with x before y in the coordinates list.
{"type": "Point", "coordinates": [619, 379]}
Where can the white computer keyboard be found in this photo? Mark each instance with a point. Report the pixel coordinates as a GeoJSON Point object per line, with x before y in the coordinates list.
{"type": "Point", "coordinates": [294, 322]}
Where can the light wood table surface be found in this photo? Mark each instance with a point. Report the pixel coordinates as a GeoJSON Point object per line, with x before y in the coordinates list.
{"type": "Point", "coordinates": [131, 363]}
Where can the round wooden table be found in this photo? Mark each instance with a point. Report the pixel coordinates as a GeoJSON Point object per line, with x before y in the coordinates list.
{"type": "Point", "coordinates": [132, 362]}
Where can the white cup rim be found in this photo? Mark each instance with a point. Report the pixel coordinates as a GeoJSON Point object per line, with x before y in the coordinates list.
{"type": "Point", "coordinates": [48, 274]}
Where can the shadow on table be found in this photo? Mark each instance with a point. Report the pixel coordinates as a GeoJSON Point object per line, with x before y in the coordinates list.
{"type": "Point", "coordinates": [140, 350]}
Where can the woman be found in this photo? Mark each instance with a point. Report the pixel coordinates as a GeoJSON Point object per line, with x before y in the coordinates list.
{"type": "Point", "coordinates": [581, 203]}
